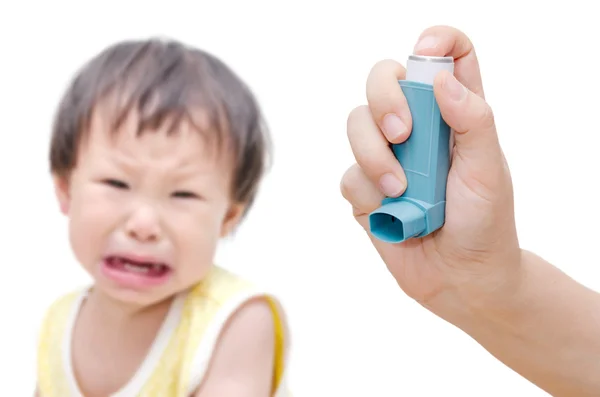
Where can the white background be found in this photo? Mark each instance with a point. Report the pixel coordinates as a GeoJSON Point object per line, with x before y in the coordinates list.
{"type": "Point", "coordinates": [354, 332]}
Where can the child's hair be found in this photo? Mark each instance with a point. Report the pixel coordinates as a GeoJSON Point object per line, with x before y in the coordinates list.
{"type": "Point", "coordinates": [165, 81]}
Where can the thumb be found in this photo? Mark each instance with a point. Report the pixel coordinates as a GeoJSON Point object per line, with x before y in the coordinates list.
{"type": "Point", "coordinates": [472, 120]}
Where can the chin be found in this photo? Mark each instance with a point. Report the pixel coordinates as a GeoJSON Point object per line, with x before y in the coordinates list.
{"type": "Point", "coordinates": [131, 298]}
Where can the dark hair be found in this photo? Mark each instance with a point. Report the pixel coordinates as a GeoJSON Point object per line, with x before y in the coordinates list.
{"type": "Point", "coordinates": [165, 81]}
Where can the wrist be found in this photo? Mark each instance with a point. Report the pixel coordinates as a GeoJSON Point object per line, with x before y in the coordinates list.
{"type": "Point", "coordinates": [494, 295]}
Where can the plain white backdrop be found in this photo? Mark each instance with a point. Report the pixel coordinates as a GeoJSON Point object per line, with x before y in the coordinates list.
{"type": "Point", "coordinates": [354, 332]}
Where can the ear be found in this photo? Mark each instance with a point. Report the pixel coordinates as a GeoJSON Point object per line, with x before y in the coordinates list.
{"type": "Point", "coordinates": [61, 189]}
{"type": "Point", "coordinates": [232, 218]}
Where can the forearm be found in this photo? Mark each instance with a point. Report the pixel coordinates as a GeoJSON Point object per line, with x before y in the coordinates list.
{"type": "Point", "coordinates": [548, 331]}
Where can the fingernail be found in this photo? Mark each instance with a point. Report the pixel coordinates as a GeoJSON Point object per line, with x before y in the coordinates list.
{"type": "Point", "coordinates": [393, 127]}
{"type": "Point", "coordinates": [426, 43]}
{"type": "Point", "coordinates": [390, 185]}
{"type": "Point", "coordinates": [456, 91]}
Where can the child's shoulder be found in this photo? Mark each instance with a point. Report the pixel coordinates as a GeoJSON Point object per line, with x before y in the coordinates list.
{"type": "Point", "coordinates": [61, 306]}
{"type": "Point", "coordinates": [57, 315]}
{"type": "Point", "coordinates": [225, 292]}
{"type": "Point", "coordinates": [220, 285]}
{"type": "Point", "coordinates": [227, 309]}
{"type": "Point", "coordinates": [51, 336]}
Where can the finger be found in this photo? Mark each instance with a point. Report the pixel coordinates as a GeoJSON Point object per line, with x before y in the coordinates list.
{"type": "Point", "coordinates": [472, 120]}
{"type": "Point", "coordinates": [387, 102]}
{"type": "Point", "coordinates": [361, 193]}
{"type": "Point", "coordinates": [449, 41]}
{"type": "Point", "coordinates": [372, 152]}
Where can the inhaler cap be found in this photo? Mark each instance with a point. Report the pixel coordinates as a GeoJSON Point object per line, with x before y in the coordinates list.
{"type": "Point", "coordinates": [423, 69]}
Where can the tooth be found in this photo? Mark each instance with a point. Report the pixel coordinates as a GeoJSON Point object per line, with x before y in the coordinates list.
{"type": "Point", "coordinates": [136, 269]}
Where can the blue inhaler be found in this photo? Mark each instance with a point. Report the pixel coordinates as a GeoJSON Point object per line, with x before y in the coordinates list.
{"type": "Point", "coordinates": [424, 156]}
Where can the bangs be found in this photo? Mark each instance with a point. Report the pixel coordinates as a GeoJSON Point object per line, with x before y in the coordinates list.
{"type": "Point", "coordinates": [124, 109]}
{"type": "Point", "coordinates": [160, 93]}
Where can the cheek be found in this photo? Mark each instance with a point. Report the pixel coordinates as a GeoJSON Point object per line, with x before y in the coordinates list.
{"type": "Point", "coordinates": [91, 219]}
{"type": "Point", "coordinates": [198, 235]}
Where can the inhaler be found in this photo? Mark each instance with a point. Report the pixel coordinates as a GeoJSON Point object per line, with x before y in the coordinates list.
{"type": "Point", "coordinates": [424, 156]}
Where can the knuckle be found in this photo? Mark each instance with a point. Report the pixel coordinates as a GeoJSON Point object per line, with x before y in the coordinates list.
{"type": "Point", "coordinates": [442, 30]}
{"type": "Point", "coordinates": [382, 87]}
{"type": "Point", "coordinates": [384, 64]}
{"type": "Point", "coordinates": [374, 160]}
{"type": "Point", "coordinates": [347, 182]}
{"type": "Point", "coordinates": [344, 189]}
{"type": "Point", "coordinates": [456, 41]}
{"type": "Point", "coordinates": [385, 99]}
{"type": "Point", "coordinates": [351, 183]}
{"type": "Point", "coordinates": [487, 118]}
{"type": "Point", "coordinates": [355, 116]}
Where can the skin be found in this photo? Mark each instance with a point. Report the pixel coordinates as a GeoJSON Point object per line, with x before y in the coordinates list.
{"type": "Point", "coordinates": [243, 364]}
{"type": "Point", "coordinates": [167, 197]}
{"type": "Point", "coordinates": [473, 272]}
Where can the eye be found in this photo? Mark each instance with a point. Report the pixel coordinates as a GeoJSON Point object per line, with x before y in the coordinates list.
{"type": "Point", "coordinates": [116, 183]}
{"type": "Point", "coordinates": [185, 194]}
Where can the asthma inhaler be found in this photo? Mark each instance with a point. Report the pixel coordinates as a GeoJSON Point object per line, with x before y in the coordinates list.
{"type": "Point", "coordinates": [424, 156]}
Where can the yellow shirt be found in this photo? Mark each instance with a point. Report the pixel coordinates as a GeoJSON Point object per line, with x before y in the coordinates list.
{"type": "Point", "coordinates": [179, 356]}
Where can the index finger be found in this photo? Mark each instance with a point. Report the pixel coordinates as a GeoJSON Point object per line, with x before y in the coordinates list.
{"type": "Point", "coordinates": [384, 95]}
{"type": "Point", "coordinates": [387, 102]}
{"type": "Point", "coordinates": [448, 41]}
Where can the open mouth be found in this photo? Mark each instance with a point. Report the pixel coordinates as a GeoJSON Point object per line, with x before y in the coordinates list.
{"type": "Point", "coordinates": [141, 268]}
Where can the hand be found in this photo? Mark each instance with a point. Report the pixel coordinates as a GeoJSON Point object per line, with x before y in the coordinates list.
{"type": "Point", "coordinates": [476, 254]}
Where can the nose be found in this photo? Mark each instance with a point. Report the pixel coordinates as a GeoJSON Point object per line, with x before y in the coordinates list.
{"type": "Point", "coordinates": [143, 225]}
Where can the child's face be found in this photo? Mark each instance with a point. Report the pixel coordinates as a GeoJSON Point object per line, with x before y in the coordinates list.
{"type": "Point", "coordinates": [146, 212]}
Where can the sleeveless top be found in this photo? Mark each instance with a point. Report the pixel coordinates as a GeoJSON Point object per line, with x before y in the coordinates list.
{"type": "Point", "coordinates": [178, 358]}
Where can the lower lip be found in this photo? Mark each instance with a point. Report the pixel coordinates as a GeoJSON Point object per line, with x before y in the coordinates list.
{"type": "Point", "coordinates": [133, 280]}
